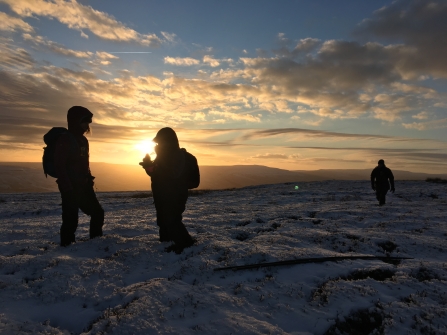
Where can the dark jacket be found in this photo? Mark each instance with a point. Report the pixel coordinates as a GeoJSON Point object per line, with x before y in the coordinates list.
{"type": "Point", "coordinates": [380, 176]}
{"type": "Point", "coordinates": [72, 161]}
{"type": "Point", "coordinates": [172, 174]}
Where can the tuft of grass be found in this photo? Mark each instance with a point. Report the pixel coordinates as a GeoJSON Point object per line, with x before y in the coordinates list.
{"type": "Point", "coordinates": [388, 246]}
{"type": "Point", "coordinates": [361, 322]}
{"type": "Point", "coordinates": [424, 274]}
{"type": "Point", "coordinates": [376, 274]}
{"type": "Point", "coordinates": [436, 180]}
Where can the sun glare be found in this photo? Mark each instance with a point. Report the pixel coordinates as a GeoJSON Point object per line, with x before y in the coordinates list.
{"type": "Point", "coordinates": [146, 147]}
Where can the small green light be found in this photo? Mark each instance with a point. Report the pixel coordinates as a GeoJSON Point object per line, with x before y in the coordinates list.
{"type": "Point", "coordinates": [296, 187]}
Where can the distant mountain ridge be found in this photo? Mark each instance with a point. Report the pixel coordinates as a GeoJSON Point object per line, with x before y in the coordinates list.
{"type": "Point", "coordinates": [29, 177]}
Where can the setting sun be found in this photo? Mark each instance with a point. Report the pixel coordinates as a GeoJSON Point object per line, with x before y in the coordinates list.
{"type": "Point", "coordinates": [146, 147]}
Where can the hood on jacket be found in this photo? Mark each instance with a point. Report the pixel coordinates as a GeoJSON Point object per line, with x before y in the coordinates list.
{"type": "Point", "coordinates": [75, 116]}
{"type": "Point", "coordinates": [167, 138]}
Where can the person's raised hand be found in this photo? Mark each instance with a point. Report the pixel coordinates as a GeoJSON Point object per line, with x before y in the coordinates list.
{"type": "Point", "coordinates": [147, 161]}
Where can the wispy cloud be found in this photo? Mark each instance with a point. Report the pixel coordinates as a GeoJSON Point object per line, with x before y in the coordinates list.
{"type": "Point", "coordinates": [270, 156]}
{"type": "Point", "coordinates": [12, 57]}
{"type": "Point", "coordinates": [421, 116]}
{"type": "Point", "coordinates": [235, 116]}
{"type": "Point", "coordinates": [434, 124]}
{"type": "Point", "coordinates": [9, 23]}
{"type": "Point", "coordinates": [170, 37]}
{"type": "Point", "coordinates": [56, 47]}
{"type": "Point", "coordinates": [264, 133]}
{"type": "Point", "coordinates": [77, 16]}
{"type": "Point", "coordinates": [179, 61]}
{"type": "Point", "coordinates": [211, 61]}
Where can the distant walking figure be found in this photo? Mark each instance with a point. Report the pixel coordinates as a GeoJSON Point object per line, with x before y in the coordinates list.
{"type": "Point", "coordinates": [381, 178]}
{"type": "Point", "coordinates": [173, 172]}
{"type": "Point", "coordinates": [75, 182]}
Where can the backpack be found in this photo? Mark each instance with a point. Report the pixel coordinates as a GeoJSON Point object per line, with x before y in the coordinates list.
{"type": "Point", "coordinates": [50, 140]}
{"type": "Point", "coordinates": [193, 174]}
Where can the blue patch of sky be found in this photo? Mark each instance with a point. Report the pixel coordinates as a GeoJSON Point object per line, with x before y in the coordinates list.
{"type": "Point", "coordinates": [231, 26]}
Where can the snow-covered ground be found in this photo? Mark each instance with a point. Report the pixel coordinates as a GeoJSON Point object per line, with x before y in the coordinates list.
{"type": "Point", "coordinates": [125, 283]}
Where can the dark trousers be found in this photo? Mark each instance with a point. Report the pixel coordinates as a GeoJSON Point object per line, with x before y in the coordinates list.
{"type": "Point", "coordinates": [171, 227]}
{"type": "Point", "coordinates": [86, 201]}
{"type": "Point", "coordinates": [381, 195]}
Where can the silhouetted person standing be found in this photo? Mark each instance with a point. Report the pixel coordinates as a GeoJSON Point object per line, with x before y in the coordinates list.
{"type": "Point", "coordinates": [381, 178]}
{"type": "Point", "coordinates": [75, 182]}
{"type": "Point", "coordinates": [173, 172]}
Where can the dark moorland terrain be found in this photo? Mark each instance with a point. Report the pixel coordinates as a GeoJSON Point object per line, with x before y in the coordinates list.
{"type": "Point", "coordinates": [29, 177]}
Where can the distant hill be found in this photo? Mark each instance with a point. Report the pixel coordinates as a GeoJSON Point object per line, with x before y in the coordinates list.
{"type": "Point", "coordinates": [29, 177]}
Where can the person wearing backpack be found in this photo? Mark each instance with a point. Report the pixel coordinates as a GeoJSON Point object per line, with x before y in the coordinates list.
{"type": "Point", "coordinates": [381, 178]}
{"type": "Point", "coordinates": [74, 179]}
{"type": "Point", "coordinates": [172, 173]}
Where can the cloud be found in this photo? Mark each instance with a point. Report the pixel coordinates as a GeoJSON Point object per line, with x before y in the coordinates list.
{"type": "Point", "coordinates": [77, 16]}
{"type": "Point", "coordinates": [302, 48]}
{"type": "Point", "coordinates": [265, 133]}
{"type": "Point", "coordinates": [332, 79]}
{"type": "Point", "coordinates": [9, 23]}
{"type": "Point", "coordinates": [105, 55]}
{"type": "Point", "coordinates": [306, 45]}
{"type": "Point", "coordinates": [280, 106]}
{"type": "Point", "coordinates": [56, 47]}
{"type": "Point", "coordinates": [388, 151]}
{"type": "Point", "coordinates": [421, 25]}
{"type": "Point", "coordinates": [314, 123]}
{"type": "Point", "coordinates": [435, 124]}
{"type": "Point", "coordinates": [169, 37]}
{"type": "Point", "coordinates": [200, 116]}
{"type": "Point", "coordinates": [211, 61]}
{"type": "Point", "coordinates": [13, 57]}
{"type": "Point", "coordinates": [178, 61]}
{"type": "Point", "coordinates": [389, 106]}
{"type": "Point", "coordinates": [270, 156]}
{"type": "Point", "coordinates": [235, 116]}
{"type": "Point", "coordinates": [422, 157]}
{"type": "Point", "coordinates": [319, 160]}
{"type": "Point", "coordinates": [421, 116]}
{"type": "Point", "coordinates": [341, 80]}
{"type": "Point", "coordinates": [126, 99]}
{"type": "Point", "coordinates": [327, 112]}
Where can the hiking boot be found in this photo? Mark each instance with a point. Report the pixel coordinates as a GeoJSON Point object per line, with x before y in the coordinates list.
{"type": "Point", "coordinates": [67, 240]}
{"type": "Point", "coordinates": [66, 243]}
{"type": "Point", "coordinates": [176, 248]}
{"type": "Point", "coordinates": [164, 238]}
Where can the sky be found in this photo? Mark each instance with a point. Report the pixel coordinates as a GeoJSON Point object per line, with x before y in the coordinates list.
{"type": "Point", "coordinates": [297, 85]}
